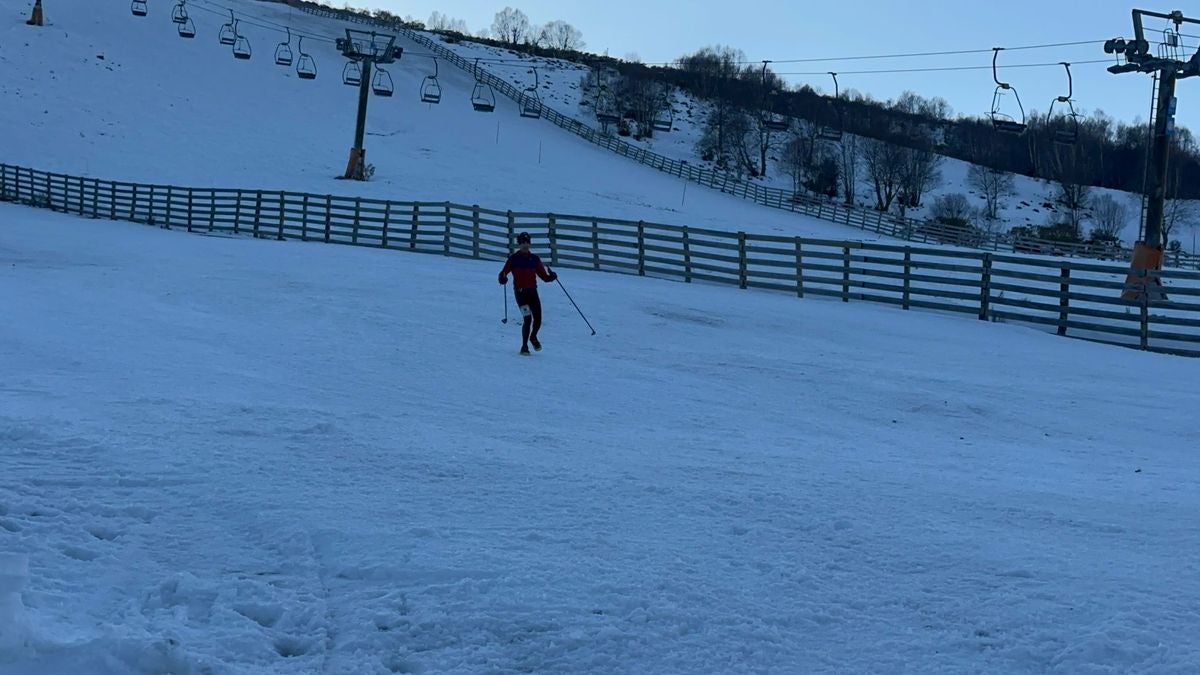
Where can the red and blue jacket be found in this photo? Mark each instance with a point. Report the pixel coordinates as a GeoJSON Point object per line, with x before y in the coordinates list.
{"type": "Point", "coordinates": [525, 268]}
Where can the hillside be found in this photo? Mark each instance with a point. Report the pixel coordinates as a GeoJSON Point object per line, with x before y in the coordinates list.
{"type": "Point", "coordinates": [1032, 202]}
{"type": "Point", "coordinates": [102, 93]}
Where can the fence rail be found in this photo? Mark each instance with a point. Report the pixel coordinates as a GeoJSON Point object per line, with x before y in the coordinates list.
{"type": "Point", "coordinates": [870, 220]}
{"type": "Point", "coordinates": [1079, 299]}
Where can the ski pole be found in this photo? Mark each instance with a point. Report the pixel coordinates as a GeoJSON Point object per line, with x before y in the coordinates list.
{"type": "Point", "coordinates": [504, 297]}
{"type": "Point", "coordinates": [564, 290]}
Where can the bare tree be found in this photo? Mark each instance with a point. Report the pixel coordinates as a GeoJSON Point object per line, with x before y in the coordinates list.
{"type": "Point", "coordinates": [1074, 197]}
{"type": "Point", "coordinates": [993, 184]}
{"type": "Point", "coordinates": [952, 208]}
{"type": "Point", "coordinates": [922, 171]}
{"type": "Point", "coordinates": [795, 161]}
{"type": "Point", "coordinates": [849, 150]}
{"type": "Point", "coordinates": [884, 165]}
{"type": "Point", "coordinates": [646, 99]}
{"type": "Point", "coordinates": [1179, 213]}
{"type": "Point", "coordinates": [511, 26]}
{"type": "Point", "coordinates": [1110, 218]}
{"type": "Point", "coordinates": [562, 36]}
{"type": "Point", "coordinates": [439, 22]}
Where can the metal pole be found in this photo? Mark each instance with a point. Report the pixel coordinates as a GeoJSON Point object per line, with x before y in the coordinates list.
{"type": "Point", "coordinates": [1157, 189]}
{"type": "Point", "coordinates": [364, 95]}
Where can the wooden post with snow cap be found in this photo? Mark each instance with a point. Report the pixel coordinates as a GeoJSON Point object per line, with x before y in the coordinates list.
{"type": "Point", "coordinates": [36, 19]}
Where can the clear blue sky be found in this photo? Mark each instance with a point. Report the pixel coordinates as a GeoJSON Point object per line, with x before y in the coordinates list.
{"type": "Point", "coordinates": [660, 31]}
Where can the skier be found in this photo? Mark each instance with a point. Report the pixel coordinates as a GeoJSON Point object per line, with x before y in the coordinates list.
{"type": "Point", "coordinates": [526, 267]}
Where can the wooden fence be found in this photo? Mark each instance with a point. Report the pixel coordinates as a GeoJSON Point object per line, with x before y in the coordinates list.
{"type": "Point", "coordinates": [1079, 299]}
{"type": "Point", "coordinates": [870, 220]}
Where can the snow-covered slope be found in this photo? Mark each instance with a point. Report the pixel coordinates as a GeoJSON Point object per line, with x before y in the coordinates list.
{"type": "Point", "coordinates": [1032, 202]}
{"type": "Point", "coordinates": [241, 456]}
{"type": "Point", "coordinates": [102, 93]}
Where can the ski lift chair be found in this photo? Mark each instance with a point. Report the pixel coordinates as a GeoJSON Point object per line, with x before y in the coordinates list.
{"type": "Point", "coordinates": [306, 67]}
{"type": "Point", "coordinates": [187, 29]}
{"type": "Point", "coordinates": [531, 103]}
{"type": "Point", "coordinates": [1001, 121]}
{"type": "Point", "coordinates": [382, 83]}
{"type": "Point", "coordinates": [283, 53]}
{"type": "Point", "coordinates": [139, 8]}
{"type": "Point", "coordinates": [431, 90]}
{"type": "Point", "coordinates": [352, 74]}
{"type": "Point", "coordinates": [228, 35]}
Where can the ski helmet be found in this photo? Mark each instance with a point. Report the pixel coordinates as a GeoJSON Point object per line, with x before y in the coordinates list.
{"type": "Point", "coordinates": [524, 238]}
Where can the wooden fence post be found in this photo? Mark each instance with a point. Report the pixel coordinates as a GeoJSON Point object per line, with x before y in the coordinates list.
{"type": "Point", "coordinates": [687, 256]}
{"type": "Point", "coordinates": [170, 203]}
{"type": "Point", "coordinates": [150, 206]}
{"type": "Point", "coordinates": [595, 245]}
{"type": "Point", "coordinates": [95, 198]}
{"type": "Point", "coordinates": [742, 274]}
{"type": "Point", "coordinates": [416, 223]}
{"type": "Point", "coordinates": [985, 287]}
{"type": "Point", "coordinates": [1145, 309]}
{"type": "Point", "coordinates": [190, 215]}
{"type": "Point", "coordinates": [328, 217]}
{"type": "Point", "coordinates": [511, 234]}
{"type": "Point", "coordinates": [212, 210]}
{"type": "Point", "coordinates": [257, 211]}
{"type": "Point", "coordinates": [907, 276]}
{"type": "Point", "coordinates": [387, 221]}
{"type": "Point", "coordinates": [304, 219]}
{"type": "Point", "coordinates": [133, 204]}
{"type": "Point", "coordinates": [552, 222]}
{"type": "Point", "coordinates": [1064, 305]}
{"type": "Point", "coordinates": [237, 212]}
{"type": "Point", "coordinates": [641, 245]}
{"type": "Point", "coordinates": [81, 190]}
{"type": "Point", "coordinates": [846, 272]}
{"type": "Point", "coordinates": [282, 213]}
{"type": "Point", "coordinates": [446, 235]}
{"type": "Point", "coordinates": [357, 221]}
{"type": "Point", "coordinates": [475, 231]}
{"type": "Point", "coordinates": [799, 268]}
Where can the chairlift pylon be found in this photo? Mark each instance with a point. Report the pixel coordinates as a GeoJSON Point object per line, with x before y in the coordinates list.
{"type": "Point", "coordinates": [431, 90]}
{"type": "Point", "coordinates": [483, 99]}
{"type": "Point", "coordinates": [1070, 134]}
{"type": "Point", "coordinates": [352, 74]}
{"type": "Point", "coordinates": [1004, 122]}
{"type": "Point", "coordinates": [531, 102]}
{"type": "Point", "coordinates": [830, 133]}
{"type": "Point", "coordinates": [228, 35]}
{"type": "Point", "coordinates": [283, 53]}
{"type": "Point", "coordinates": [139, 8]}
{"type": "Point", "coordinates": [306, 67]}
{"type": "Point", "coordinates": [381, 83]}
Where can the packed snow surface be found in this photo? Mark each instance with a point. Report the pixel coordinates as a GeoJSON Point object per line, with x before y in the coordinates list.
{"type": "Point", "coordinates": [227, 455]}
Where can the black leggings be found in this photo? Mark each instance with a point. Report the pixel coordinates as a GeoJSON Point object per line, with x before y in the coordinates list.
{"type": "Point", "coordinates": [531, 309]}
